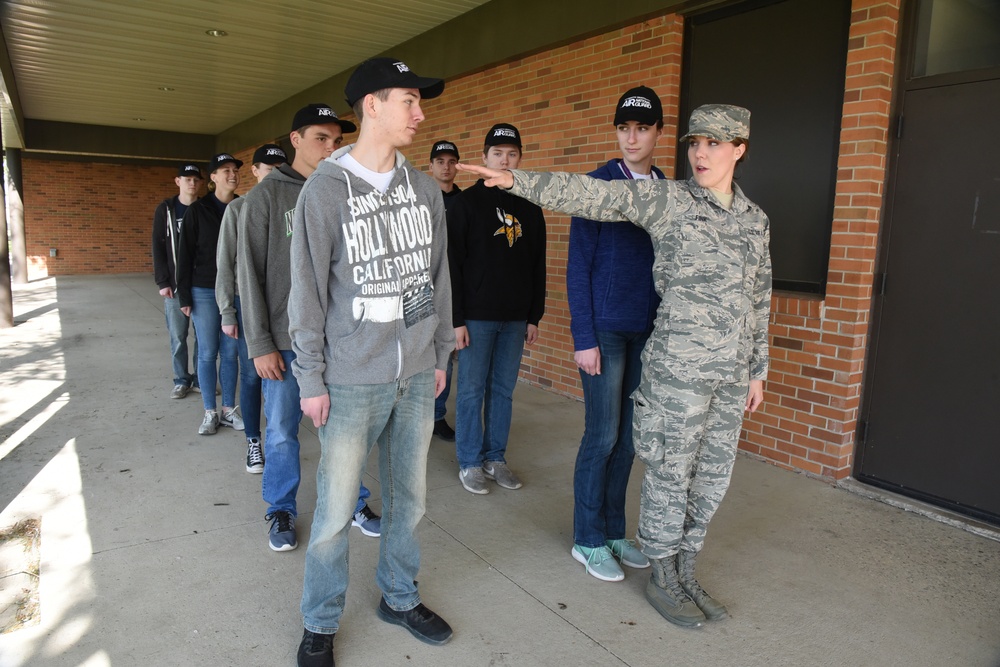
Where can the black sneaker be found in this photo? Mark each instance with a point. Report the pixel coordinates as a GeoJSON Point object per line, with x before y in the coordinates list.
{"type": "Point", "coordinates": [443, 431]}
{"type": "Point", "coordinates": [315, 650]}
{"type": "Point", "coordinates": [422, 623]}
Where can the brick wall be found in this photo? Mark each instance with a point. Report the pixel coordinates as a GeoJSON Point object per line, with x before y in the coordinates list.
{"type": "Point", "coordinates": [818, 347]}
{"type": "Point", "coordinates": [98, 216]}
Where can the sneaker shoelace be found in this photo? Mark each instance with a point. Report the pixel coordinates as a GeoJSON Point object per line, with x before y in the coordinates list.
{"type": "Point", "coordinates": [317, 643]}
{"type": "Point", "coordinates": [598, 555]}
{"type": "Point", "coordinates": [367, 513]}
{"type": "Point", "coordinates": [254, 453]}
{"type": "Point", "coordinates": [229, 414]}
{"type": "Point", "coordinates": [284, 520]}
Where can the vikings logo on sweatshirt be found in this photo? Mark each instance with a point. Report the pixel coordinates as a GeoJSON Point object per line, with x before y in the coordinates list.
{"type": "Point", "coordinates": [511, 228]}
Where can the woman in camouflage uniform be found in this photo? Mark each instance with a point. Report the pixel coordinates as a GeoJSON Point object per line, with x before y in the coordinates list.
{"type": "Point", "coordinates": [706, 360]}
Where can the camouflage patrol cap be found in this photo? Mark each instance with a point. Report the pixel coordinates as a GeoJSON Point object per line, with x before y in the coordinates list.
{"type": "Point", "coordinates": [722, 122]}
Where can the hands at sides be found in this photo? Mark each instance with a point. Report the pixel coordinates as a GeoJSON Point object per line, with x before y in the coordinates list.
{"type": "Point", "coordinates": [589, 361]}
{"type": "Point", "coordinates": [492, 177]}
{"type": "Point", "coordinates": [531, 335]}
{"type": "Point", "coordinates": [186, 310]}
{"type": "Point", "coordinates": [167, 292]}
{"type": "Point", "coordinates": [440, 379]}
{"type": "Point", "coordinates": [461, 338]}
{"type": "Point", "coordinates": [755, 396]}
{"type": "Point", "coordinates": [316, 408]}
{"type": "Point", "coordinates": [270, 366]}
{"type": "Point", "coordinates": [231, 330]}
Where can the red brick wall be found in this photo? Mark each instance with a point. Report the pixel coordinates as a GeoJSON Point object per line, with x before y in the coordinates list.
{"type": "Point", "coordinates": [818, 347]}
{"type": "Point", "coordinates": [97, 216]}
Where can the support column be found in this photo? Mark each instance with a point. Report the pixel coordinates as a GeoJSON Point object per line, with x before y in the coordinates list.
{"type": "Point", "coordinates": [15, 220]}
{"type": "Point", "coordinates": [6, 297]}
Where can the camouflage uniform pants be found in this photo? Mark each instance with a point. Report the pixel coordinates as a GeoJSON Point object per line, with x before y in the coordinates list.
{"type": "Point", "coordinates": [686, 432]}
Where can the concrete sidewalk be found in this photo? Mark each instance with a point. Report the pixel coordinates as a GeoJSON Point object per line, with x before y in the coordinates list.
{"type": "Point", "coordinates": [153, 543]}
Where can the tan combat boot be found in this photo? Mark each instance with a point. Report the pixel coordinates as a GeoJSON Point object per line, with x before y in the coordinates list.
{"type": "Point", "coordinates": [713, 609]}
{"type": "Point", "coordinates": [664, 592]}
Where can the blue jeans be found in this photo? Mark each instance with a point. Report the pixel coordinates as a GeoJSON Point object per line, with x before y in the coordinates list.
{"type": "Point", "coordinates": [177, 325]}
{"type": "Point", "coordinates": [605, 458]}
{"type": "Point", "coordinates": [282, 470]}
{"type": "Point", "coordinates": [440, 403]}
{"type": "Point", "coordinates": [250, 386]}
{"type": "Point", "coordinates": [399, 416]}
{"type": "Point", "coordinates": [213, 345]}
{"type": "Point", "coordinates": [487, 374]}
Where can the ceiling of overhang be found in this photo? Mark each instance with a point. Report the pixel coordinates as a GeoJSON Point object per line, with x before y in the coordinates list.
{"type": "Point", "coordinates": [149, 64]}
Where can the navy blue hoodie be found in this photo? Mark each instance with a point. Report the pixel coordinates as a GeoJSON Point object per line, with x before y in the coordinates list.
{"type": "Point", "coordinates": [609, 274]}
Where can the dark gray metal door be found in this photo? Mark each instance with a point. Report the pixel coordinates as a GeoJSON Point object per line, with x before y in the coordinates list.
{"type": "Point", "coordinates": [931, 415]}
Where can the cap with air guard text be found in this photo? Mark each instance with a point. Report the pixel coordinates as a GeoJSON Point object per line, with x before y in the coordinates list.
{"type": "Point", "coordinates": [380, 73]}
{"type": "Point", "coordinates": [722, 122]}
{"type": "Point", "coordinates": [444, 146]}
{"type": "Point", "coordinates": [640, 104]}
{"type": "Point", "coordinates": [188, 169]}
{"type": "Point", "coordinates": [271, 154]}
{"type": "Point", "coordinates": [503, 134]}
{"type": "Point", "coordinates": [220, 159]}
{"type": "Point", "coordinates": [320, 114]}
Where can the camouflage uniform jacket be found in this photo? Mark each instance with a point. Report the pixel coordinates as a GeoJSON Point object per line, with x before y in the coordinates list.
{"type": "Point", "coordinates": [712, 268]}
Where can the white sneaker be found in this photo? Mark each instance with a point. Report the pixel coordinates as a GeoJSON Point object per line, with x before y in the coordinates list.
{"type": "Point", "coordinates": [231, 418]}
{"type": "Point", "coordinates": [210, 424]}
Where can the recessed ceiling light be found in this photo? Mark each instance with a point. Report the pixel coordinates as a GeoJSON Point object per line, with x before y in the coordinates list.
{"type": "Point", "coordinates": [166, 89]}
{"type": "Point", "coordinates": [139, 119]}
{"type": "Point", "coordinates": [216, 33]}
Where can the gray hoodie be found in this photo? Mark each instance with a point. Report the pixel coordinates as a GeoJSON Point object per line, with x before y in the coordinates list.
{"type": "Point", "coordinates": [225, 264]}
{"type": "Point", "coordinates": [371, 294]}
{"type": "Point", "coordinates": [264, 270]}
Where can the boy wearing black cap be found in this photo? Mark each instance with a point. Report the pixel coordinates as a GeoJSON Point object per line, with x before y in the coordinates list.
{"type": "Point", "coordinates": [265, 158]}
{"type": "Point", "coordinates": [444, 157]}
{"type": "Point", "coordinates": [609, 280]}
{"type": "Point", "coordinates": [264, 275]}
{"type": "Point", "coordinates": [370, 327]}
{"type": "Point", "coordinates": [167, 222]}
{"type": "Point", "coordinates": [496, 251]}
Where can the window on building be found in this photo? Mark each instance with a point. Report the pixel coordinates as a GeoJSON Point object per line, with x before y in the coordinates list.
{"type": "Point", "coordinates": [956, 36]}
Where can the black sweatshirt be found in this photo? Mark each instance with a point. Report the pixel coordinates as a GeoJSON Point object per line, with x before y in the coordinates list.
{"type": "Point", "coordinates": [496, 251]}
{"type": "Point", "coordinates": [196, 252]}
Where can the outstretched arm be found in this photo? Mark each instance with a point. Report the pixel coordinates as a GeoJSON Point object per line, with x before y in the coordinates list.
{"type": "Point", "coordinates": [492, 178]}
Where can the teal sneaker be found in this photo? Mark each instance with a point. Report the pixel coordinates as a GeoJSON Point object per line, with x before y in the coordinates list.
{"type": "Point", "coordinates": [599, 562]}
{"type": "Point", "coordinates": [627, 553]}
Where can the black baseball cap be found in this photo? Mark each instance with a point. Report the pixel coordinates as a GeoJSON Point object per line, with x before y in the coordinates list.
{"type": "Point", "coordinates": [269, 154]}
{"type": "Point", "coordinates": [320, 114]}
{"type": "Point", "coordinates": [503, 134]}
{"type": "Point", "coordinates": [188, 169]}
{"type": "Point", "coordinates": [380, 73]}
{"type": "Point", "coordinates": [444, 146]}
{"type": "Point", "coordinates": [221, 159]}
{"type": "Point", "coordinates": [640, 104]}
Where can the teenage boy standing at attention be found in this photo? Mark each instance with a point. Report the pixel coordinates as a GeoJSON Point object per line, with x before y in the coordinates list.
{"type": "Point", "coordinates": [265, 158]}
{"type": "Point", "coordinates": [496, 250]}
{"type": "Point", "coordinates": [609, 280]}
{"type": "Point", "coordinates": [444, 157]}
{"type": "Point", "coordinates": [369, 317]}
{"type": "Point", "coordinates": [265, 238]}
{"type": "Point", "coordinates": [167, 221]}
